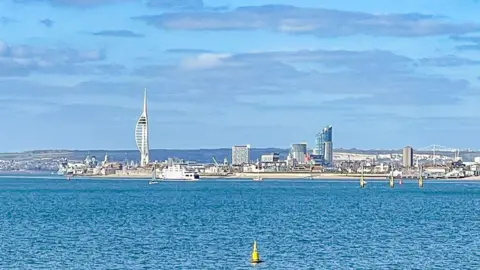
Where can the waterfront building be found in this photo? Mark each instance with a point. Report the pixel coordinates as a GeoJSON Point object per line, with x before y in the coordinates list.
{"type": "Point", "coordinates": [290, 161]}
{"type": "Point", "coordinates": [270, 158]}
{"type": "Point", "coordinates": [298, 152]}
{"type": "Point", "coordinates": [316, 159]}
{"type": "Point", "coordinates": [324, 144]}
{"type": "Point", "coordinates": [407, 157]}
{"type": "Point", "coordinates": [317, 150]}
{"type": "Point", "coordinates": [90, 162]}
{"type": "Point", "coordinates": [240, 154]}
{"type": "Point", "coordinates": [141, 133]}
{"type": "Point", "coordinates": [271, 163]}
{"type": "Point", "coordinates": [328, 152]}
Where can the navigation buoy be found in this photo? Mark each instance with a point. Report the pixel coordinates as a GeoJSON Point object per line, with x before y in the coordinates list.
{"type": "Point", "coordinates": [255, 256]}
{"type": "Point", "coordinates": [420, 179]}
{"type": "Point", "coordinates": [362, 178]}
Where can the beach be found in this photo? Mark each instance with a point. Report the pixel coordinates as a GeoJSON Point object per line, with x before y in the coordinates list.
{"type": "Point", "coordinates": [278, 176]}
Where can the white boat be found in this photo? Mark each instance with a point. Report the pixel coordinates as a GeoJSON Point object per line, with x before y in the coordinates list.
{"type": "Point", "coordinates": [258, 177]}
{"type": "Point", "coordinates": [179, 172]}
{"type": "Point", "coordinates": [154, 177]}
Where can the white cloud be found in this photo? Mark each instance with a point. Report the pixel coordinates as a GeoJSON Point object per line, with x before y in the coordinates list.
{"type": "Point", "coordinates": [204, 61]}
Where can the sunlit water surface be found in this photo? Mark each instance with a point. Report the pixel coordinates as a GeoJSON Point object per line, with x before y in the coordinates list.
{"type": "Point", "coordinates": [115, 224]}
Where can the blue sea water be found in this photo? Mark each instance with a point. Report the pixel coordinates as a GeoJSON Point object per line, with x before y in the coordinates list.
{"type": "Point", "coordinates": [115, 224]}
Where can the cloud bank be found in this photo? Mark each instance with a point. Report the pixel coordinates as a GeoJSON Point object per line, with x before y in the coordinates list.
{"type": "Point", "coordinates": [22, 60]}
{"type": "Point", "coordinates": [7, 20]}
{"type": "Point", "coordinates": [312, 21]}
{"type": "Point", "coordinates": [473, 42]}
{"type": "Point", "coordinates": [74, 3]}
{"type": "Point", "coordinates": [47, 22]}
{"type": "Point", "coordinates": [361, 77]}
{"type": "Point", "coordinates": [118, 33]}
{"type": "Point", "coordinates": [176, 4]}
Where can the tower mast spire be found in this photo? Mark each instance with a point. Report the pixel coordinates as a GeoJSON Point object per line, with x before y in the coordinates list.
{"type": "Point", "coordinates": [145, 101]}
{"type": "Point", "coordinates": [141, 133]}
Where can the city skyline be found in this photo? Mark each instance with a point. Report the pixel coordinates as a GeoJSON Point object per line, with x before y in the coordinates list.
{"type": "Point", "coordinates": [223, 73]}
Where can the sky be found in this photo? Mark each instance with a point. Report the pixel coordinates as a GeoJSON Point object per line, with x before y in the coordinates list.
{"type": "Point", "coordinates": [384, 74]}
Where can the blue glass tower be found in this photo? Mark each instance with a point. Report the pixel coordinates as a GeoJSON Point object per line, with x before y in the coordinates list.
{"type": "Point", "coordinates": [324, 144]}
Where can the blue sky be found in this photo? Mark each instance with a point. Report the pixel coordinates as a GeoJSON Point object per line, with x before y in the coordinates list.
{"type": "Point", "coordinates": [222, 72]}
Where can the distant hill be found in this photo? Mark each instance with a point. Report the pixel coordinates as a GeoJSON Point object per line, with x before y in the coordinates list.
{"type": "Point", "coordinates": [197, 155]}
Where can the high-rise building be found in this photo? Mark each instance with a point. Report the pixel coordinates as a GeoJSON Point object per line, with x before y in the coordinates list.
{"type": "Point", "coordinates": [324, 144]}
{"type": "Point", "coordinates": [407, 157]}
{"type": "Point", "coordinates": [298, 152]}
{"type": "Point", "coordinates": [317, 150]}
{"type": "Point", "coordinates": [328, 153]}
{"type": "Point", "coordinates": [240, 154]}
{"type": "Point", "coordinates": [141, 133]}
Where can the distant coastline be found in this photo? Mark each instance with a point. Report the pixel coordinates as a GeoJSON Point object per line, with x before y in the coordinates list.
{"type": "Point", "coordinates": [196, 155]}
{"type": "Point", "coordinates": [272, 176]}
{"type": "Point", "coordinates": [293, 176]}
{"type": "Point", "coordinates": [28, 172]}
{"type": "Point", "coordinates": [267, 176]}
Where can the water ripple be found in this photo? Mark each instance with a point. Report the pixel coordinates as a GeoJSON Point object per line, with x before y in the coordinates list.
{"type": "Point", "coordinates": [82, 224]}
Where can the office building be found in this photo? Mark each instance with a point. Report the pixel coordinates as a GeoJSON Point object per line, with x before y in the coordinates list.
{"type": "Point", "coordinates": [407, 157]}
{"type": "Point", "coordinates": [141, 133]}
{"type": "Point", "coordinates": [328, 157]}
{"type": "Point", "coordinates": [324, 145]}
{"type": "Point", "coordinates": [298, 152]}
{"type": "Point", "coordinates": [241, 154]}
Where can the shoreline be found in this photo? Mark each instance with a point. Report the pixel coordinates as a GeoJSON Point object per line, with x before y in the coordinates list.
{"type": "Point", "coordinates": [275, 176]}
{"type": "Point", "coordinates": [240, 176]}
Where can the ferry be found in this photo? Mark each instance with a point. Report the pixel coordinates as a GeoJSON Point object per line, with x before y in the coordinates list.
{"type": "Point", "coordinates": [179, 172]}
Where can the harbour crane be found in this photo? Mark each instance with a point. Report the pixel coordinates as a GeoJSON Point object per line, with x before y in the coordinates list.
{"type": "Point", "coordinates": [215, 161]}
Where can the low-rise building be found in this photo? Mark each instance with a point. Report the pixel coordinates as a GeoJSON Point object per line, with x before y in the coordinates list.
{"type": "Point", "coordinates": [270, 158]}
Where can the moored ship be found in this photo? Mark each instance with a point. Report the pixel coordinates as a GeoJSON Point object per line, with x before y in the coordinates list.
{"type": "Point", "coordinates": [179, 172]}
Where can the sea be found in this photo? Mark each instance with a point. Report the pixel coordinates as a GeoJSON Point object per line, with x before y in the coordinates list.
{"type": "Point", "coordinates": [51, 223]}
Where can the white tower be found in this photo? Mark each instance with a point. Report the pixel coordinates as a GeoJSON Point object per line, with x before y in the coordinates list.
{"type": "Point", "coordinates": [141, 133]}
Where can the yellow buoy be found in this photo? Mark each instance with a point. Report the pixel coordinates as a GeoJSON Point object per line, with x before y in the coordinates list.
{"type": "Point", "coordinates": [420, 179]}
{"type": "Point", "coordinates": [255, 256]}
